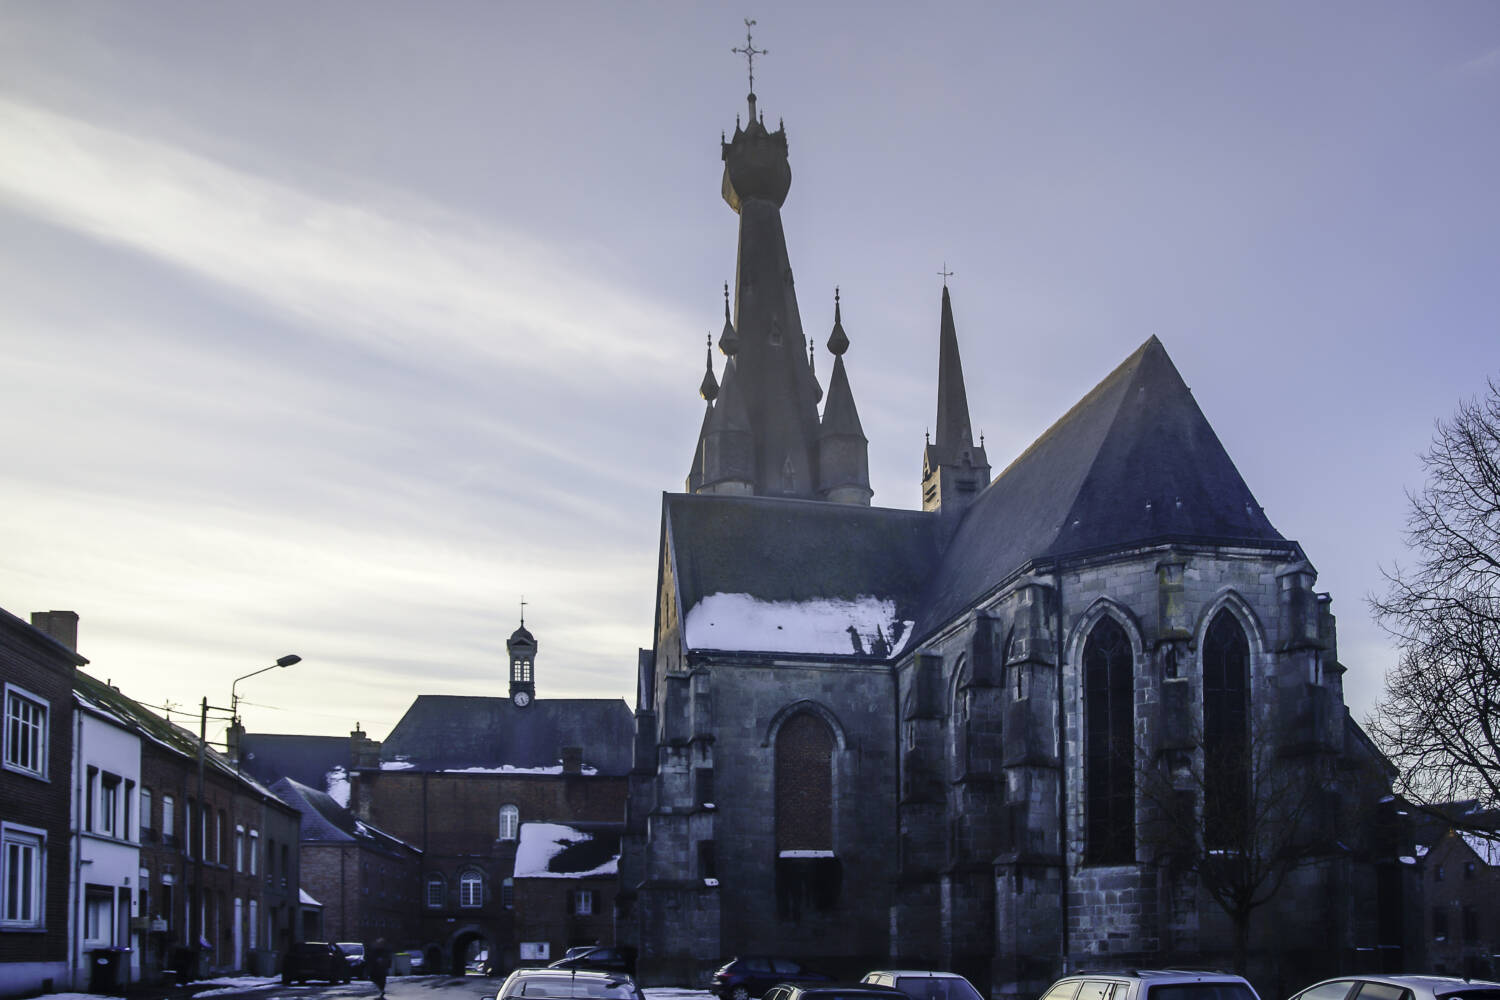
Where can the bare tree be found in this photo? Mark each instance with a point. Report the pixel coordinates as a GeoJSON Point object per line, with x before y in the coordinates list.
{"type": "Point", "coordinates": [1240, 818]}
{"type": "Point", "coordinates": [1439, 721]}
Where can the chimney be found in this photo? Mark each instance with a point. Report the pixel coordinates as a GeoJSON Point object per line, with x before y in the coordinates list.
{"type": "Point", "coordinates": [363, 752]}
{"type": "Point", "coordinates": [572, 760]}
{"type": "Point", "coordinates": [60, 625]}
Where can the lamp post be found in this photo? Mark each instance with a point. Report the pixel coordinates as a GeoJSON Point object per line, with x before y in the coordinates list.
{"type": "Point", "coordinates": [195, 919]}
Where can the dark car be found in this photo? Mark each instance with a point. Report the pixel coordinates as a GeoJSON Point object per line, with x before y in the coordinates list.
{"type": "Point", "coordinates": [314, 960]}
{"type": "Point", "coordinates": [833, 991]}
{"type": "Point", "coordinates": [354, 955]}
{"type": "Point", "coordinates": [599, 957]}
{"type": "Point", "coordinates": [751, 975]}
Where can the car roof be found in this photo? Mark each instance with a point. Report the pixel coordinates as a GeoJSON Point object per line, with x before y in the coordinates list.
{"type": "Point", "coordinates": [1159, 975]}
{"type": "Point", "coordinates": [551, 973]}
{"type": "Point", "coordinates": [914, 973]}
{"type": "Point", "coordinates": [1425, 980]}
{"type": "Point", "coordinates": [870, 988]}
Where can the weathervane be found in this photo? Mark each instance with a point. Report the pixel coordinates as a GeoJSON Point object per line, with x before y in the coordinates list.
{"type": "Point", "coordinates": [750, 52]}
{"type": "Point", "coordinates": [945, 273]}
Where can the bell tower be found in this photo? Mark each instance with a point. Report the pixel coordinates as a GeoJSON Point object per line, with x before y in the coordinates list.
{"type": "Point", "coordinates": [522, 649]}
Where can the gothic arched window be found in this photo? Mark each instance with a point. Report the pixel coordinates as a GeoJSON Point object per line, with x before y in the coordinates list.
{"type": "Point", "coordinates": [510, 822]}
{"type": "Point", "coordinates": [471, 889]}
{"type": "Point", "coordinates": [1109, 744]}
{"type": "Point", "coordinates": [807, 872]}
{"type": "Point", "coordinates": [1226, 730]}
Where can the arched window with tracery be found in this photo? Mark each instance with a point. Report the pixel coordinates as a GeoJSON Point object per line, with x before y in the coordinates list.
{"type": "Point", "coordinates": [471, 889]}
{"type": "Point", "coordinates": [807, 872]}
{"type": "Point", "coordinates": [1226, 730]}
{"type": "Point", "coordinates": [510, 822]}
{"type": "Point", "coordinates": [1109, 744]}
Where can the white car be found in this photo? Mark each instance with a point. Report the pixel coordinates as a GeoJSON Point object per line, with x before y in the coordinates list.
{"type": "Point", "coordinates": [568, 984]}
{"type": "Point", "coordinates": [1153, 984]}
{"type": "Point", "coordinates": [920, 984]}
{"type": "Point", "coordinates": [1401, 988]}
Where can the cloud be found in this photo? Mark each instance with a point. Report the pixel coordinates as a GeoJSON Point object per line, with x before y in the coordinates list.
{"type": "Point", "coordinates": [1481, 67]}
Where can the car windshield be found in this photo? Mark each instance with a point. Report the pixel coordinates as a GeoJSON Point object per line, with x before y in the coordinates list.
{"type": "Point", "coordinates": [936, 988]}
{"type": "Point", "coordinates": [351, 949]}
{"type": "Point", "coordinates": [1202, 991]}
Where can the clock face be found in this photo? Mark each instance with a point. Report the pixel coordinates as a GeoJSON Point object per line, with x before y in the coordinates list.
{"type": "Point", "coordinates": [522, 699]}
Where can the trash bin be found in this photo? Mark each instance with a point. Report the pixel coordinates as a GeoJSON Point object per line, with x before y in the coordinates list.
{"type": "Point", "coordinates": [105, 965]}
{"type": "Point", "coordinates": [401, 964]}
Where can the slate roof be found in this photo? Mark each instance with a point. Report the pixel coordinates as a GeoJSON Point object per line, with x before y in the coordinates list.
{"type": "Point", "coordinates": [464, 732]}
{"type": "Point", "coordinates": [1135, 462]}
{"type": "Point", "coordinates": [325, 821]}
{"type": "Point", "coordinates": [305, 759]}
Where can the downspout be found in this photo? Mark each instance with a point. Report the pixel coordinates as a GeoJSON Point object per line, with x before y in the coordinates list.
{"type": "Point", "coordinates": [890, 946]}
{"type": "Point", "coordinates": [78, 812]}
{"type": "Point", "coordinates": [343, 901]}
{"type": "Point", "coordinates": [1062, 774]}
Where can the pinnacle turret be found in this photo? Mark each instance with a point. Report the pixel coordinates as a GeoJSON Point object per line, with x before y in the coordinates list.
{"type": "Point", "coordinates": [843, 449]}
{"type": "Point", "coordinates": [953, 469]}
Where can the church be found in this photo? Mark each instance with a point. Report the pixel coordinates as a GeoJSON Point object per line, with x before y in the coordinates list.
{"type": "Point", "coordinates": [1037, 726]}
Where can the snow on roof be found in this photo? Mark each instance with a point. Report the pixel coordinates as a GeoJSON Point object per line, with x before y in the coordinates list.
{"type": "Point", "coordinates": [508, 769]}
{"type": "Point", "coordinates": [305, 899]}
{"type": "Point", "coordinates": [338, 786]}
{"type": "Point", "coordinates": [826, 625]}
{"type": "Point", "coordinates": [552, 850]}
{"type": "Point", "coordinates": [1487, 849]}
{"type": "Point", "coordinates": [806, 854]}
{"type": "Point", "coordinates": [399, 764]}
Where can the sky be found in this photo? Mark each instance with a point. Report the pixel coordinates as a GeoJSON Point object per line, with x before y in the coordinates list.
{"type": "Point", "coordinates": [337, 329]}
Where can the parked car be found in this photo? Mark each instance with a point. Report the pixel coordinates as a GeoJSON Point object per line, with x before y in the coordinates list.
{"type": "Point", "coordinates": [922, 985]}
{"type": "Point", "coordinates": [832, 991]}
{"type": "Point", "coordinates": [568, 984]}
{"type": "Point", "coordinates": [597, 957]}
{"type": "Point", "coordinates": [314, 960]}
{"type": "Point", "coordinates": [749, 976]}
{"type": "Point", "coordinates": [1401, 988]}
{"type": "Point", "coordinates": [1151, 984]}
{"type": "Point", "coordinates": [354, 955]}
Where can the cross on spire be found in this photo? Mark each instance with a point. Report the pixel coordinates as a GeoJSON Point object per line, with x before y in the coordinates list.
{"type": "Point", "coordinates": [946, 274]}
{"type": "Point", "coordinates": [750, 52]}
{"type": "Point", "coordinates": [523, 610]}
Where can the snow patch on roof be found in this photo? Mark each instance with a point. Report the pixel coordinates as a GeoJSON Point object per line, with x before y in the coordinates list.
{"type": "Point", "coordinates": [399, 764]}
{"type": "Point", "coordinates": [829, 626]}
{"type": "Point", "coordinates": [806, 854]}
{"type": "Point", "coordinates": [1487, 849]}
{"type": "Point", "coordinates": [510, 769]}
{"type": "Point", "coordinates": [305, 898]}
{"type": "Point", "coordinates": [1422, 850]}
{"type": "Point", "coordinates": [541, 842]}
{"type": "Point", "coordinates": [337, 781]}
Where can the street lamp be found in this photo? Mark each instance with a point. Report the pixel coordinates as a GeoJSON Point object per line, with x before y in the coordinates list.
{"type": "Point", "coordinates": [234, 699]}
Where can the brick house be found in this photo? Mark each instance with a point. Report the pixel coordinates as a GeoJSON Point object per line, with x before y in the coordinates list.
{"type": "Point", "coordinates": [365, 879]}
{"type": "Point", "coordinates": [566, 880]}
{"type": "Point", "coordinates": [36, 755]}
{"type": "Point", "coordinates": [1461, 879]}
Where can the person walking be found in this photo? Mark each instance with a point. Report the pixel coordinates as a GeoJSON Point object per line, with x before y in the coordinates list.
{"type": "Point", "coordinates": [380, 964]}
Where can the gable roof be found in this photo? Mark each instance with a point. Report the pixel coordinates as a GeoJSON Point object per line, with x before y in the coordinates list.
{"type": "Point", "coordinates": [1134, 462]}
{"type": "Point", "coordinates": [325, 821]}
{"type": "Point", "coordinates": [478, 734]}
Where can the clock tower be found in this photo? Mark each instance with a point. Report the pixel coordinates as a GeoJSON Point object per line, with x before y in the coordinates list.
{"type": "Point", "coordinates": [522, 649]}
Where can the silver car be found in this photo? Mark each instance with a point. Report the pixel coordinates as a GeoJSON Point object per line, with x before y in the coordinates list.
{"type": "Point", "coordinates": [568, 984]}
{"type": "Point", "coordinates": [1401, 988]}
{"type": "Point", "coordinates": [923, 985]}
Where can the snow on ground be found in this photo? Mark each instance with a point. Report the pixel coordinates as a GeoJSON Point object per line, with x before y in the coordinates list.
{"type": "Point", "coordinates": [676, 993]}
{"type": "Point", "coordinates": [233, 984]}
{"type": "Point", "coordinates": [740, 621]}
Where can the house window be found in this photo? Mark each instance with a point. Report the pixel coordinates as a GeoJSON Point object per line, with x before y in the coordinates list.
{"type": "Point", "coordinates": [437, 889]}
{"type": "Point", "coordinates": [510, 822]}
{"type": "Point", "coordinates": [1226, 731]}
{"type": "Point", "coordinates": [1439, 923]}
{"type": "Point", "coordinates": [23, 851]}
{"type": "Point", "coordinates": [239, 848]}
{"type": "Point", "coordinates": [253, 924]}
{"type": "Point", "coordinates": [1471, 923]}
{"type": "Point", "coordinates": [25, 732]}
{"type": "Point", "coordinates": [254, 859]}
{"type": "Point", "coordinates": [1468, 871]}
{"type": "Point", "coordinates": [1438, 874]}
{"type": "Point", "coordinates": [168, 820]}
{"type": "Point", "coordinates": [1109, 744]}
{"type": "Point", "coordinates": [508, 894]}
{"type": "Point", "coordinates": [146, 822]}
{"type": "Point", "coordinates": [583, 902]}
{"type": "Point", "coordinates": [98, 917]}
{"type": "Point", "coordinates": [109, 805]}
{"type": "Point", "coordinates": [471, 889]}
{"type": "Point", "coordinates": [126, 803]}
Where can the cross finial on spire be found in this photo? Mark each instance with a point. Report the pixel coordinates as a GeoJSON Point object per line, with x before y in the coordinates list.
{"type": "Point", "coordinates": [750, 52]}
{"type": "Point", "coordinates": [523, 610]}
{"type": "Point", "coordinates": [946, 274]}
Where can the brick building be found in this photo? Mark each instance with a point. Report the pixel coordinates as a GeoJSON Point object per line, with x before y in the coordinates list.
{"type": "Point", "coordinates": [1461, 876]}
{"type": "Point", "coordinates": [459, 778]}
{"type": "Point", "coordinates": [36, 754]}
{"type": "Point", "coordinates": [956, 735]}
{"type": "Point", "coordinates": [365, 879]}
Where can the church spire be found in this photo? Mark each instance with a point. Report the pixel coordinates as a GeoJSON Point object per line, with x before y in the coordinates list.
{"type": "Point", "coordinates": [843, 449]}
{"type": "Point", "coordinates": [953, 469]}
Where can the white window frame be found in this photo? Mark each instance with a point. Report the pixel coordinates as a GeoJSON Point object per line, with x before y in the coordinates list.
{"type": "Point", "coordinates": [510, 821]}
{"type": "Point", "coordinates": [27, 909]}
{"type": "Point", "coordinates": [583, 902]}
{"type": "Point", "coordinates": [435, 900]}
{"type": "Point", "coordinates": [168, 817]}
{"type": "Point", "coordinates": [98, 917]}
{"type": "Point", "coordinates": [254, 859]}
{"type": "Point", "coordinates": [31, 736]}
{"type": "Point", "coordinates": [239, 847]}
{"type": "Point", "coordinates": [107, 817]}
{"type": "Point", "coordinates": [471, 890]}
